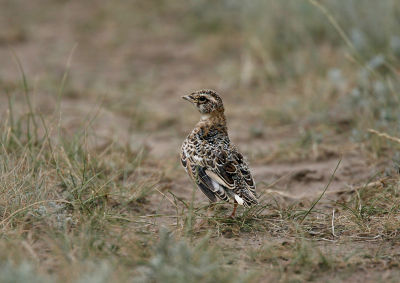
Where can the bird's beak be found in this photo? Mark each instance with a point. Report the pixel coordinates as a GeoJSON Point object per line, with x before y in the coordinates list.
{"type": "Point", "coordinates": [188, 98]}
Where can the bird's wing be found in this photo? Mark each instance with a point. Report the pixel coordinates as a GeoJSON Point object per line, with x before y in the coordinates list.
{"type": "Point", "coordinates": [220, 171]}
{"type": "Point", "coordinates": [208, 186]}
{"type": "Point", "coordinates": [192, 163]}
{"type": "Point", "coordinates": [229, 169]}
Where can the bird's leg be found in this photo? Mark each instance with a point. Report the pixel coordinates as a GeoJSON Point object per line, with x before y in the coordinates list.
{"type": "Point", "coordinates": [234, 210]}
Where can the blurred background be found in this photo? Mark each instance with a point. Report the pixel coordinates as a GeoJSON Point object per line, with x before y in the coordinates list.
{"type": "Point", "coordinates": [92, 117]}
{"type": "Point", "coordinates": [275, 63]}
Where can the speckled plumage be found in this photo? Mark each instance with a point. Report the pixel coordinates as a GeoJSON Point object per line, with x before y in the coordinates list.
{"type": "Point", "coordinates": [209, 158]}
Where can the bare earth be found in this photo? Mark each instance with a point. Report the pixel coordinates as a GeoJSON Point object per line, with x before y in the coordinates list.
{"type": "Point", "coordinates": [128, 76]}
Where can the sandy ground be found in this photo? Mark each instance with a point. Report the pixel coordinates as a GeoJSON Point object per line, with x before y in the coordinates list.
{"type": "Point", "coordinates": [145, 72]}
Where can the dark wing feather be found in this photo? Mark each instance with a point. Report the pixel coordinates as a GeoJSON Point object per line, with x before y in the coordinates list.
{"type": "Point", "coordinates": [202, 180]}
{"type": "Point", "coordinates": [211, 196]}
{"type": "Point", "coordinates": [219, 171]}
{"type": "Point", "coordinates": [208, 187]}
{"type": "Point", "coordinates": [232, 171]}
{"type": "Point", "coordinates": [204, 183]}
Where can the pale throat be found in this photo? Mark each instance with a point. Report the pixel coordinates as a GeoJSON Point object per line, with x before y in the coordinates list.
{"type": "Point", "coordinates": [213, 118]}
{"type": "Point", "coordinates": [205, 117]}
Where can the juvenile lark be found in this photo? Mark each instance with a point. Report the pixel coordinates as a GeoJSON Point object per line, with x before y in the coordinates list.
{"type": "Point", "coordinates": [209, 158]}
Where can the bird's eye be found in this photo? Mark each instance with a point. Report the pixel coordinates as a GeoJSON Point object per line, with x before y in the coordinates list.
{"type": "Point", "coordinates": [202, 99]}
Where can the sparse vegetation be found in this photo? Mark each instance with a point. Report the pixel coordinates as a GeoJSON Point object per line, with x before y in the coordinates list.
{"type": "Point", "coordinates": [91, 188]}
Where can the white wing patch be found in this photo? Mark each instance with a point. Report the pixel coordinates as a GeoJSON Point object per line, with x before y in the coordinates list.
{"type": "Point", "coordinates": [217, 182]}
{"type": "Point", "coordinates": [215, 185]}
{"type": "Point", "coordinates": [239, 199]}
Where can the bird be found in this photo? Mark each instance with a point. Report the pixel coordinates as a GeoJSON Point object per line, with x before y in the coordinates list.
{"type": "Point", "coordinates": [210, 159]}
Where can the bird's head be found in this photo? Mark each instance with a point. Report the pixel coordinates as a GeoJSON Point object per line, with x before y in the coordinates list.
{"type": "Point", "coordinates": [208, 102]}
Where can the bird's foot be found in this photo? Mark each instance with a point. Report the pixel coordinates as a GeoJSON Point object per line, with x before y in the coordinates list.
{"type": "Point", "coordinates": [232, 216]}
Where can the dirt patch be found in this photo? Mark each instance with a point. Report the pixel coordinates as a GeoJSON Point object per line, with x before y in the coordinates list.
{"type": "Point", "coordinates": [308, 179]}
{"type": "Point", "coordinates": [124, 88]}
